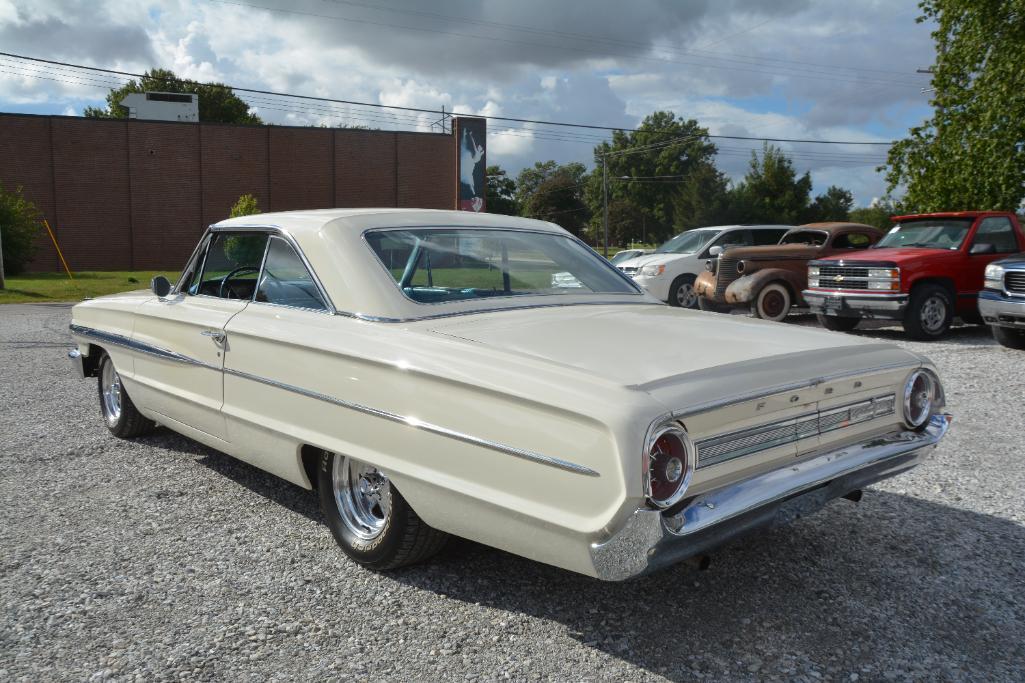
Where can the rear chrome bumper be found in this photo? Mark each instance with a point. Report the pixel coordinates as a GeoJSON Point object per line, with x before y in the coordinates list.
{"type": "Point", "coordinates": [651, 540]}
{"type": "Point", "coordinates": [1002, 311]}
{"type": "Point", "coordinates": [847, 305]}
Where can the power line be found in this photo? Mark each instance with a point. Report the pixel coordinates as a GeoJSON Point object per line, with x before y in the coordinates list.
{"type": "Point", "coordinates": [312, 98]}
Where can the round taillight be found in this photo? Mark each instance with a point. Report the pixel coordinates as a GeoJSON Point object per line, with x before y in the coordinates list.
{"type": "Point", "coordinates": [668, 467]}
{"type": "Point", "coordinates": [920, 394]}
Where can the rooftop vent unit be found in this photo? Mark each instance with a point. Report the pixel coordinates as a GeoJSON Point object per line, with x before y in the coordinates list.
{"type": "Point", "coordinates": [162, 106]}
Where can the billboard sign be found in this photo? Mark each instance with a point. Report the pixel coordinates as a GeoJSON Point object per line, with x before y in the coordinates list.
{"type": "Point", "coordinates": [471, 162]}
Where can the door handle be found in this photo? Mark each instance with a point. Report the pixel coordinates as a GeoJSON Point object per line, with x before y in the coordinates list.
{"type": "Point", "coordinates": [216, 335]}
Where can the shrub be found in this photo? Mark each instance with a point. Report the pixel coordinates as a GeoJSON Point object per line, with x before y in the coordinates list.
{"type": "Point", "coordinates": [245, 206]}
{"type": "Point", "coordinates": [19, 224]}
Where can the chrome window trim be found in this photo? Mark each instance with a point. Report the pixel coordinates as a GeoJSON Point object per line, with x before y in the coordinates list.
{"type": "Point", "coordinates": [637, 289]}
{"type": "Point", "coordinates": [476, 311]}
{"type": "Point", "coordinates": [259, 279]}
{"type": "Point", "coordinates": [149, 349]}
{"type": "Point", "coordinates": [198, 252]}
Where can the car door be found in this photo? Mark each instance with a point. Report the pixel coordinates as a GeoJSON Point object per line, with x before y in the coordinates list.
{"type": "Point", "coordinates": [182, 336]}
{"type": "Point", "coordinates": [996, 232]}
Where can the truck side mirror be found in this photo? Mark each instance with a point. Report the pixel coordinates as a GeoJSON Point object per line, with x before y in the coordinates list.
{"type": "Point", "coordinates": [715, 251]}
{"type": "Point", "coordinates": [982, 248]}
{"type": "Point", "coordinates": [160, 286]}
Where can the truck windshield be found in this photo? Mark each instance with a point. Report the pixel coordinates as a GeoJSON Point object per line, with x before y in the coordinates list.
{"type": "Point", "coordinates": [947, 233]}
{"type": "Point", "coordinates": [686, 242]}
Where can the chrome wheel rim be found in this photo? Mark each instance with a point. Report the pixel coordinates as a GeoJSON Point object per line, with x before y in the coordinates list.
{"type": "Point", "coordinates": [933, 314]}
{"type": "Point", "coordinates": [362, 496]}
{"type": "Point", "coordinates": [110, 387]}
{"type": "Point", "coordinates": [685, 295]}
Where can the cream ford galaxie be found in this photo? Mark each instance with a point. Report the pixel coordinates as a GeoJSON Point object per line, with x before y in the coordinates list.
{"type": "Point", "coordinates": [433, 373]}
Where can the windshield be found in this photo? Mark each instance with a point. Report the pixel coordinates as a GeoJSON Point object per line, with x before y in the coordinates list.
{"type": "Point", "coordinates": [947, 233]}
{"type": "Point", "coordinates": [435, 265]}
{"type": "Point", "coordinates": [624, 255]}
{"type": "Point", "coordinates": [686, 242]}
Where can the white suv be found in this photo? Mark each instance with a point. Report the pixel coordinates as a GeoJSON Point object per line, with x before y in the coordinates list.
{"type": "Point", "coordinates": [670, 271]}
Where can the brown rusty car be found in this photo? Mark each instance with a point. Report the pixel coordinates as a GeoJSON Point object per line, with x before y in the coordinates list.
{"type": "Point", "coordinates": [769, 280]}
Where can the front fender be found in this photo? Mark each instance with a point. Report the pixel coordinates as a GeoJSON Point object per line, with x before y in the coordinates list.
{"type": "Point", "coordinates": [705, 285]}
{"type": "Point", "coordinates": [746, 289]}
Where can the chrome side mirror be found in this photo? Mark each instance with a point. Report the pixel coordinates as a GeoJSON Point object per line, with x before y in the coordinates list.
{"type": "Point", "coordinates": [715, 251]}
{"type": "Point", "coordinates": [160, 285]}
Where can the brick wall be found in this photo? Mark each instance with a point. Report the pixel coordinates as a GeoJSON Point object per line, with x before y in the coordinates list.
{"type": "Point", "coordinates": [136, 194]}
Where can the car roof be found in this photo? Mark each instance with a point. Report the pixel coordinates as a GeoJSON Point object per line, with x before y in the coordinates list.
{"type": "Point", "coordinates": [836, 226]}
{"type": "Point", "coordinates": [949, 214]}
{"type": "Point", "coordinates": [313, 221]}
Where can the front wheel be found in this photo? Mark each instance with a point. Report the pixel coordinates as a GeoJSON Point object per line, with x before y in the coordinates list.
{"type": "Point", "coordinates": [836, 323]}
{"type": "Point", "coordinates": [681, 292]}
{"type": "Point", "coordinates": [772, 302]}
{"type": "Point", "coordinates": [369, 518]}
{"type": "Point", "coordinates": [120, 415]}
{"type": "Point", "coordinates": [930, 312]}
{"type": "Point", "coordinates": [1012, 339]}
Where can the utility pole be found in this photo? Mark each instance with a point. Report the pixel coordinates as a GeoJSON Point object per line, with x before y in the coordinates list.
{"type": "Point", "coordinates": [2, 285]}
{"type": "Point", "coordinates": [605, 199]}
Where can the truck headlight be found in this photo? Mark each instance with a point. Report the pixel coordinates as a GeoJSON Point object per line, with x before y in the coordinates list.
{"type": "Point", "coordinates": [994, 278]}
{"type": "Point", "coordinates": [652, 271]}
{"type": "Point", "coordinates": [813, 271]}
{"type": "Point", "coordinates": [923, 396]}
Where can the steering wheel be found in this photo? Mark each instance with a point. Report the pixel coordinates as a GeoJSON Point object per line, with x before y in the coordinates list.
{"type": "Point", "coordinates": [226, 278]}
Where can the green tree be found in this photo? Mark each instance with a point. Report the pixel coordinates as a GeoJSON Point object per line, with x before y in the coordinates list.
{"type": "Point", "coordinates": [529, 181]}
{"type": "Point", "coordinates": [501, 197]}
{"type": "Point", "coordinates": [217, 102]}
{"type": "Point", "coordinates": [703, 199]}
{"type": "Point", "coordinates": [971, 153]}
{"type": "Point", "coordinates": [247, 205]}
{"type": "Point", "coordinates": [877, 213]}
{"type": "Point", "coordinates": [19, 225]}
{"type": "Point", "coordinates": [832, 205]}
{"type": "Point", "coordinates": [647, 167]}
{"type": "Point", "coordinates": [559, 198]}
{"type": "Point", "coordinates": [771, 192]}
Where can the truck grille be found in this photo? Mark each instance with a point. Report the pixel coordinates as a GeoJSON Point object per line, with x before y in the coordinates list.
{"type": "Point", "coordinates": [725, 273]}
{"type": "Point", "coordinates": [726, 447]}
{"type": "Point", "coordinates": [1014, 281]}
{"type": "Point", "coordinates": [843, 277]}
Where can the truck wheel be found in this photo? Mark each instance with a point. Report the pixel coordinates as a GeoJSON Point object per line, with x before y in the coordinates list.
{"type": "Point", "coordinates": [681, 292]}
{"type": "Point", "coordinates": [1012, 339]}
{"type": "Point", "coordinates": [772, 302]}
{"type": "Point", "coordinates": [711, 305]}
{"type": "Point", "coordinates": [930, 312]}
{"type": "Point", "coordinates": [120, 415]}
{"type": "Point", "coordinates": [369, 518]}
{"type": "Point", "coordinates": [836, 323]}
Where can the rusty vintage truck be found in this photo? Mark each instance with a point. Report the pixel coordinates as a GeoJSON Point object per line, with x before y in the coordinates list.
{"type": "Point", "coordinates": [769, 279]}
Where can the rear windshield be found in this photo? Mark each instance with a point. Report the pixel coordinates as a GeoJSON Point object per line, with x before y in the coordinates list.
{"type": "Point", "coordinates": [947, 233]}
{"type": "Point", "coordinates": [815, 238]}
{"type": "Point", "coordinates": [435, 265]}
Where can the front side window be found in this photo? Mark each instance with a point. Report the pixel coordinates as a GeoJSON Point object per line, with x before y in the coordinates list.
{"type": "Point", "coordinates": [997, 230]}
{"type": "Point", "coordinates": [686, 242]}
{"type": "Point", "coordinates": [766, 237]}
{"type": "Point", "coordinates": [945, 233]}
{"type": "Point", "coordinates": [436, 265]}
{"type": "Point", "coordinates": [285, 281]}
{"type": "Point", "coordinates": [189, 280]}
{"type": "Point", "coordinates": [733, 238]}
{"type": "Point", "coordinates": [231, 265]}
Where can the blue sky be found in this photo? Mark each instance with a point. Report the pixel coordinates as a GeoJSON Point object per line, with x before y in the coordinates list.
{"type": "Point", "coordinates": [789, 68]}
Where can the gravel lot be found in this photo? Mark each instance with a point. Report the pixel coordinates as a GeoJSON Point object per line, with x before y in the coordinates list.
{"type": "Point", "coordinates": [162, 559]}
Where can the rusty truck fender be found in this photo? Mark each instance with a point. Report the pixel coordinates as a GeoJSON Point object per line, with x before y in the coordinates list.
{"type": "Point", "coordinates": [746, 288]}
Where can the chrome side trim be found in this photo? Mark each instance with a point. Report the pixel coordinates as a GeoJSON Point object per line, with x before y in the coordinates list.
{"type": "Point", "coordinates": [497, 309]}
{"type": "Point", "coordinates": [125, 342]}
{"type": "Point", "coordinates": [421, 425]}
{"type": "Point", "coordinates": [141, 347]}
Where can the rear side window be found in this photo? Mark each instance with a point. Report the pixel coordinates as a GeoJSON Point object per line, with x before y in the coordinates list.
{"type": "Point", "coordinates": [997, 230]}
{"type": "Point", "coordinates": [286, 281]}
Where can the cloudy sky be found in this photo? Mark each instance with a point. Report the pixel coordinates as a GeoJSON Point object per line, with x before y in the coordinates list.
{"type": "Point", "coordinates": [828, 69]}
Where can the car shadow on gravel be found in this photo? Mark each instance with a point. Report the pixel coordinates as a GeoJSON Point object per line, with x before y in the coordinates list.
{"type": "Point", "coordinates": [896, 585]}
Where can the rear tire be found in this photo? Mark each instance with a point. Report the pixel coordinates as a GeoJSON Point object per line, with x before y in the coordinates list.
{"type": "Point", "coordinates": [1012, 339]}
{"type": "Point", "coordinates": [930, 312]}
{"type": "Point", "coordinates": [772, 302]}
{"type": "Point", "coordinates": [369, 518]}
{"type": "Point", "coordinates": [836, 323]}
{"type": "Point", "coordinates": [120, 415]}
{"type": "Point", "coordinates": [681, 292]}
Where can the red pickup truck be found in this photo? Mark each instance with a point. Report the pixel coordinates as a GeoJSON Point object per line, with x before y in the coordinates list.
{"type": "Point", "coordinates": [926, 270]}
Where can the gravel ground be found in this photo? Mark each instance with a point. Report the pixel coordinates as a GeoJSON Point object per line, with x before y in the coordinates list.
{"type": "Point", "coordinates": [162, 559]}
